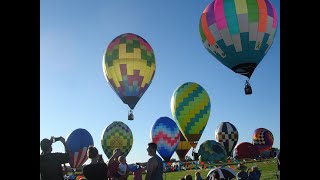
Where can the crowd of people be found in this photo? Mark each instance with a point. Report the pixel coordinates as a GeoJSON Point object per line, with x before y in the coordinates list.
{"type": "Point", "coordinates": [117, 168]}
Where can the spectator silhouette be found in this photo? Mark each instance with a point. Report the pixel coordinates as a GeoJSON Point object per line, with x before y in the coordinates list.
{"type": "Point", "coordinates": [155, 164]}
{"type": "Point", "coordinates": [198, 176]}
{"type": "Point", "coordinates": [113, 166]}
{"type": "Point", "coordinates": [50, 163]}
{"type": "Point", "coordinates": [97, 169]}
{"type": "Point", "coordinates": [255, 173]}
{"type": "Point", "coordinates": [188, 177]}
{"type": "Point", "coordinates": [137, 175]}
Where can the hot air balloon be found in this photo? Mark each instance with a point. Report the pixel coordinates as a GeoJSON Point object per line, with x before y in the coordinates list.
{"type": "Point", "coordinates": [129, 66]}
{"type": "Point", "coordinates": [227, 135]}
{"type": "Point", "coordinates": [116, 135]}
{"type": "Point", "coordinates": [78, 143]}
{"type": "Point", "coordinates": [246, 150]}
{"type": "Point", "coordinates": [182, 148]}
{"type": "Point", "coordinates": [190, 107]}
{"type": "Point", "coordinates": [165, 133]}
{"type": "Point", "coordinates": [239, 33]}
{"type": "Point", "coordinates": [211, 150]}
{"type": "Point", "coordinates": [263, 139]}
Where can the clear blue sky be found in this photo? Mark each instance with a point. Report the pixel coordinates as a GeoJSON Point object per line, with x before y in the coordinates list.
{"type": "Point", "coordinates": [74, 93]}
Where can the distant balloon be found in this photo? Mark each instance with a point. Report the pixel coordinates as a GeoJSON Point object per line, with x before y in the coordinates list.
{"type": "Point", "coordinates": [129, 66]}
{"type": "Point", "coordinates": [182, 148]}
{"type": "Point", "coordinates": [246, 150]}
{"type": "Point", "coordinates": [238, 33]}
{"type": "Point", "coordinates": [165, 133]}
{"type": "Point", "coordinates": [116, 135]}
{"type": "Point", "coordinates": [210, 150]}
{"type": "Point", "coordinates": [78, 143]}
{"type": "Point", "coordinates": [190, 107]}
{"type": "Point", "coordinates": [262, 139]}
{"type": "Point", "coordinates": [227, 134]}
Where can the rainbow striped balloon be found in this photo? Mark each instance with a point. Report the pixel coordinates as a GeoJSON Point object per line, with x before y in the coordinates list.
{"type": "Point", "coordinates": [129, 66]}
{"type": "Point", "coordinates": [116, 135]}
{"type": "Point", "coordinates": [190, 107]}
{"type": "Point", "coordinates": [238, 33]}
{"type": "Point", "coordinates": [165, 133]}
{"type": "Point", "coordinates": [78, 143]}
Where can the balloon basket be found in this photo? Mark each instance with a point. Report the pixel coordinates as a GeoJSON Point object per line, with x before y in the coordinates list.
{"type": "Point", "coordinates": [130, 115]}
{"type": "Point", "coordinates": [247, 89]}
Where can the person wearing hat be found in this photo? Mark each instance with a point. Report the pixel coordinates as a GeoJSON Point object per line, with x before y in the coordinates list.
{"type": "Point", "coordinates": [242, 174]}
{"type": "Point", "coordinates": [50, 163]}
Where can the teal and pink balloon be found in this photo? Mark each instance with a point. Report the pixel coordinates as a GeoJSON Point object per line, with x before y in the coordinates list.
{"type": "Point", "coordinates": [78, 143]}
{"type": "Point", "coordinates": [227, 135]}
{"type": "Point", "coordinates": [238, 33]}
{"type": "Point", "coordinates": [263, 139]}
{"type": "Point", "coordinates": [211, 150]}
{"type": "Point", "coordinates": [116, 135]}
{"type": "Point", "coordinates": [166, 134]}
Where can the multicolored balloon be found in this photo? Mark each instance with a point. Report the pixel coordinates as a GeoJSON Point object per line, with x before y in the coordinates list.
{"type": "Point", "coordinates": [183, 147]}
{"type": "Point", "coordinates": [129, 66]}
{"type": "Point", "coordinates": [190, 107]}
{"type": "Point", "coordinates": [116, 135]}
{"type": "Point", "coordinates": [165, 133]}
{"type": "Point", "coordinates": [227, 135]}
{"type": "Point", "coordinates": [78, 143]}
{"type": "Point", "coordinates": [238, 33]}
{"type": "Point", "coordinates": [262, 139]}
{"type": "Point", "coordinates": [246, 150]}
{"type": "Point", "coordinates": [211, 150]}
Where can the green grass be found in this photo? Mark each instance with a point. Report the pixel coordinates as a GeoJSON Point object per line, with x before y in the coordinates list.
{"type": "Point", "coordinates": [268, 168]}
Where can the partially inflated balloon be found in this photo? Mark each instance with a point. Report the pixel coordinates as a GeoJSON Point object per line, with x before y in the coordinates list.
{"type": "Point", "coordinates": [238, 33]}
{"type": "Point", "coordinates": [211, 150]}
{"type": "Point", "coordinates": [165, 133]}
{"type": "Point", "coordinates": [78, 143]}
{"type": "Point", "coordinates": [190, 107]}
{"type": "Point", "coordinates": [246, 150]}
{"type": "Point", "coordinates": [227, 135]}
{"type": "Point", "coordinates": [182, 148]}
{"type": "Point", "coordinates": [116, 135]}
{"type": "Point", "coordinates": [129, 66]}
{"type": "Point", "coordinates": [262, 139]}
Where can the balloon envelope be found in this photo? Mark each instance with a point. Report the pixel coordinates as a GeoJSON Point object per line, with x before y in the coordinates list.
{"type": "Point", "coordinates": [190, 107]}
{"type": "Point", "coordinates": [129, 66]}
{"type": "Point", "coordinates": [78, 143]}
{"type": "Point", "coordinates": [263, 139]}
{"type": "Point", "coordinates": [182, 148]}
{"type": "Point", "coordinates": [165, 133]}
{"type": "Point", "coordinates": [246, 150]}
{"type": "Point", "coordinates": [238, 33]}
{"type": "Point", "coordinates": [116, 135]}
{"type": "Point", "coordinates": [227, 135]}
{"type": "Point", "coordinates": [211, 150]}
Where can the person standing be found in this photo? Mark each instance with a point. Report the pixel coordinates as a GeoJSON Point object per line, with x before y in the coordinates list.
{"type": "Point", "coordinates": [242, 174]}
{"type": "Point", "coordinates": [154, 165]}
{"type": "Point", "coordinates": [97, 169]}
{"type": "Point", "coordinates": [113, 166]}
{"type": "Point", "coordinates": [50, 163]}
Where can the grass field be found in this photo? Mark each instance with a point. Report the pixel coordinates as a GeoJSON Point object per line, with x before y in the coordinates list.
{"type": "Point", "coordinates": [268, 168]}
